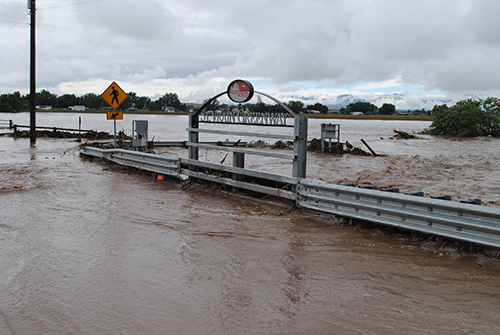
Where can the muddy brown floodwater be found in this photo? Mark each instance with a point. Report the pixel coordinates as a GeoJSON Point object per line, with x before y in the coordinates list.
{"type": "Point", "coordinates": [87, 248]}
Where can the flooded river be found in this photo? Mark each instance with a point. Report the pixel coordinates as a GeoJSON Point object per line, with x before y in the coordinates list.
{"type": "Point", "coordinates": [87, 248]}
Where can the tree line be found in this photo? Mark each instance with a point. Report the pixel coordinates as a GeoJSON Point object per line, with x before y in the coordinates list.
{"type": "Point", "coordinates": [15, 102]}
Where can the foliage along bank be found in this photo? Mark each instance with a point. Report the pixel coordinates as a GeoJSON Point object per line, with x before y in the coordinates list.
{"type": "Point", "coordinates": [467, 118]}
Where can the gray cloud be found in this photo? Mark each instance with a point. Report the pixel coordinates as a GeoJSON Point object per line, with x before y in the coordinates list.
{"type": "Point", "coordinates": [444, 48]}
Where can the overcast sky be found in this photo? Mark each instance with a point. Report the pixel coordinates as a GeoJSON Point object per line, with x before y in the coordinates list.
{"type": "Point", "coordinates": [410, 53]}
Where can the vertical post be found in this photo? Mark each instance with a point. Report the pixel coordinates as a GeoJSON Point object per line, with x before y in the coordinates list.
{"type": "Point", "coordinates": [193, 136]}
{"type": "Point", "coordinates": [115, 130]}
{"type": "Point", "coordinates": [32, 74]}
{"type": "Point", "coordinates": [300, 147]}
{"type": "Point", "coordinates": [79, 125]}
{"type": "Point", "coordinates": [239, 162]}
{"type": "Point", "coordinates": [323, 126]}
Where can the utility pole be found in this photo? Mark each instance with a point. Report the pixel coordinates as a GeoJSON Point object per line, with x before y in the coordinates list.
{"type": "Point", "coordinates": [32, 8]}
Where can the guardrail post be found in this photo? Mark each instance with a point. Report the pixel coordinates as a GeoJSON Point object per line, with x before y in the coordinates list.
{"type": "Point", "coordinates": [239, 162]}
{"type": "Point", "coordinates": [300, 147]}
{"type": "Point", "coordinates": [193, 137]}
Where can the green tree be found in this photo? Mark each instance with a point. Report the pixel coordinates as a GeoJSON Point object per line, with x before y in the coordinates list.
{"type": "Point", "coordinates": [360, 107]}
{"type": "Point", "coordinates": [296, 106]}
{"type": "Point", "coordinates": [492, 105]}
{"type": "Point", "coordinates": [276, 109]}
{"type": "Point", "coordinates": [318, 107]}
{"type": "Point", "coordinates": [387, 109]}
{"type": "Point", "coordinates": [10, 102]}
{"type": "Point", "coordinates": [142, 102]}
{"type": "Point", "coordinates": [259, 107]}
{"type": "Point", "coordinates": [467, 118]}
{"type": "Point", "coordinates": [171, 100]}
{"type": "Point", "coordinates": [46, 98]}
{"type": "Point", "coordinates": [91, 100]}
{"type": "Point", "coordinates": [66, 100]}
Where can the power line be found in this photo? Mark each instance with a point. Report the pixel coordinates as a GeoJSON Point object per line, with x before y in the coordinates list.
{"type": "Point", "coordinates": [15, 10]}
{"type": "Point", "coordinates": [13, 26]}
{"type": "Point", "coordinates": [38, 9]}
{"type": "Point", "coordinates": [72, 5]}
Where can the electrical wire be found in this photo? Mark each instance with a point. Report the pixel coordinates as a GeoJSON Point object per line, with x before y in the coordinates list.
{"type": "Point", "coordinates": [75, 4]}
{"type": "Point", "coordinates": [13, 26]}
{"type": "Point", "coordinates": [39, 9]}
{"type": "Point", "coordinates": [15, 10]}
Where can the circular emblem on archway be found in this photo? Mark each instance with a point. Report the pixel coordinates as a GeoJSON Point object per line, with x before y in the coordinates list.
{"type": "Point", "coordinates": [240, 91]}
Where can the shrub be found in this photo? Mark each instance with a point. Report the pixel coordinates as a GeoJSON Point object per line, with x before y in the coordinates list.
{"type": "Point", "coordinates": [467, 118]}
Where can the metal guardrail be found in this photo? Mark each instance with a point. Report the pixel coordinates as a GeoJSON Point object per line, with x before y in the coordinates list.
{"type": "Point", "coordinates": [459, 221]}
{"type": "Point", "coordinates": [176, 166]}
{"type": "Point", "coordinates": [233, 174]}
{"type": "Point", "coordinates": [168, 165]}
{"type": "Point", "coordinates": [5, 124]}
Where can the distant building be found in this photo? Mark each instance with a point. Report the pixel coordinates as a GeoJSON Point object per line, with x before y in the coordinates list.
{"type": "Point", "coordinates": [43, 107]}
{"type": "Point", "coordinates": [357, 113]}
{"type": "Point", "coordinates": [168, 109]}
{"type": "Point", "coordinates": [77, 108]}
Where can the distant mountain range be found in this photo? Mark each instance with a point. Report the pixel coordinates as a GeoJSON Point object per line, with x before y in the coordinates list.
{"type": "Point", "coordinates": [400, 100]}
{"type": "Point", "coordinates": [397, 99]}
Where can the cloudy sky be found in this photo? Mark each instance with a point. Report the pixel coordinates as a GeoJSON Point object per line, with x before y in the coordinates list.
{"type": "Point", "coordinates": [413, 54]}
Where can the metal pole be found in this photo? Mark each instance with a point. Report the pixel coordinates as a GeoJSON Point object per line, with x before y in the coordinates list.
{"type": "Point", "coordinates": [32, 75]}
{"type": "Point", "coordinates": [239, 162]}
{"type": "Point", "coordinates": [300, 147]}
{"type": "Point", "coordinates": [193, 136]}
{"type": "Point", "coordinates": [115, 131]}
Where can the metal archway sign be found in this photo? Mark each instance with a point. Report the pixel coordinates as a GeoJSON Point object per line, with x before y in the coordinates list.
{"type": "Point", "coordinates": [240, 91]}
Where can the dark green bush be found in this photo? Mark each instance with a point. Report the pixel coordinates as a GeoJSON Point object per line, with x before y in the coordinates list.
{"type": "Point", "coordinates": [467, 118]}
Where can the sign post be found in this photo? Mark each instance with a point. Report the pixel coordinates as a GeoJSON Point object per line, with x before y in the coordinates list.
{"type": "Point", "coordinates": [114, 96]}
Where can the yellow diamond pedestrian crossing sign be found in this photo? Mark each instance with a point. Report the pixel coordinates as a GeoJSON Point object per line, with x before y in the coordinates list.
{"type": "Point", "coordinates": [114, 95]}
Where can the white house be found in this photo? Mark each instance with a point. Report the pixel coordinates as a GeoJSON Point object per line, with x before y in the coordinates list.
{"type": "Point", "coordinates": [77, 108]}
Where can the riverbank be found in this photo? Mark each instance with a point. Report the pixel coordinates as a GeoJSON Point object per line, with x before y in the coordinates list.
{"type": "Point", "coordinates": [311, 116]}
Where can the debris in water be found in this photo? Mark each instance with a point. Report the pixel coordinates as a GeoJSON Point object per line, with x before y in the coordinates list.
{"type": "Point", "coordinates": [336, 148]}
{"type": "Point", "coordinates": [401, 135]}
{"type": "Point", "coordinates": [282, 145]}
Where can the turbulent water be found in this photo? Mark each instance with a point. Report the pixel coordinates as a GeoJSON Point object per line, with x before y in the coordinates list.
{"type": "Point", "coordinates": [87, 248]}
